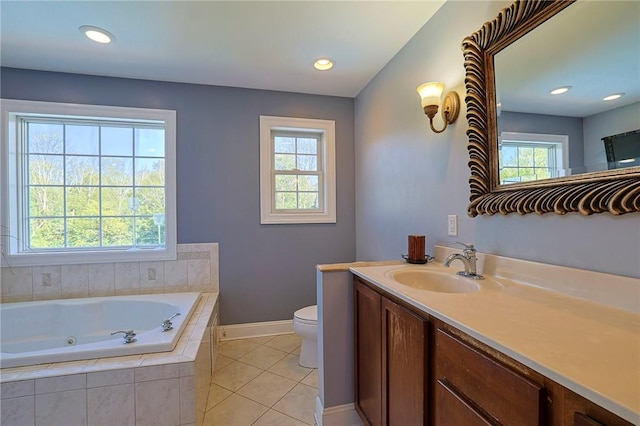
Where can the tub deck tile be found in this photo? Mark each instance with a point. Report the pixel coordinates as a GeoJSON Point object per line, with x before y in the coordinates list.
{"type": "Point", "coordinates": [165, 360]}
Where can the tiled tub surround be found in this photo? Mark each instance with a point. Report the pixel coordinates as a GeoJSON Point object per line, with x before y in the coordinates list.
{"type": "Point", "coordinates": [168, 388]}
{"type": "Point", "coordinates": [195, 269]}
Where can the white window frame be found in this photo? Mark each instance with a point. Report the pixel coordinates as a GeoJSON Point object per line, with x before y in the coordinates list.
{"type": "Point", "coordinates": [326, 213]}
{"type": "Point", "coordinates": [560, 141]}
{"type": "Point", "coordinates": [11, 110]}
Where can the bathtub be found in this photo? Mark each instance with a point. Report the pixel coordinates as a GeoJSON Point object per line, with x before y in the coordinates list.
{"type": "Point", "coordinates": [78, 329]}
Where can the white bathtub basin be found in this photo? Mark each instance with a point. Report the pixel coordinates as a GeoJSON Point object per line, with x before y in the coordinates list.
{"type": "Point", "coordinates": [77, 329]}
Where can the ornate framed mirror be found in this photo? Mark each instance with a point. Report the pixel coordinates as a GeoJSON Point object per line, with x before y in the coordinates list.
{"type": "Point", "coordinates": [614, 189]}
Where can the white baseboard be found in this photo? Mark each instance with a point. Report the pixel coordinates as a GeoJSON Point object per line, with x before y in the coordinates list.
{"type": "Point", "coordinates": [340, 415]}
{"type": "Point", "coordinates": [254, 329]}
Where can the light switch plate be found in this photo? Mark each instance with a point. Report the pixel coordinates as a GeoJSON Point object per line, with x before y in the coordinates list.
{"type": "Point", "coordinates": [452, 225]}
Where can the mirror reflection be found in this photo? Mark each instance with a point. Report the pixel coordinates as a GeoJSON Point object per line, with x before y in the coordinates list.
{"type": "Point", "coordinates": [584, 54]}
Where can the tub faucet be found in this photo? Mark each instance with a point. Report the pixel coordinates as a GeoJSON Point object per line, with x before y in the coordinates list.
{"type": "Point", "coordinates": [167, 324]}
{"type": "Point", "coordinates": [468, 258]}
{"type": "Point", "coordinates": [129, 335]}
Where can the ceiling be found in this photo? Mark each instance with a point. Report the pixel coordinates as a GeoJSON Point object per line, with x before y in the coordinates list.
{"type": "Point", "coordinates": [253, 44]}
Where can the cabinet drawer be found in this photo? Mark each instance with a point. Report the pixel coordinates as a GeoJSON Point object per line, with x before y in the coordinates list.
{"type": "Point", "coordinates": [454, 410]}
{"type": "Point", "coordinates": [580, 419]}
{"type": "Point", "coordinates": [503, 394]}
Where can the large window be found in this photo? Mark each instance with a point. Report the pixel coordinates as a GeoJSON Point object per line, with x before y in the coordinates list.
{"type": "Point", "coordinates": [297, 170]}
{"type": "Point", "coordinates": [87, 183]}
{"type": "Point", "coordinates": [526, 157]}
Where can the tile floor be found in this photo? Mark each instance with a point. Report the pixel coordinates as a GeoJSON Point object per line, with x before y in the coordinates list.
{"type": "Point", "coordinates": [257, 381]}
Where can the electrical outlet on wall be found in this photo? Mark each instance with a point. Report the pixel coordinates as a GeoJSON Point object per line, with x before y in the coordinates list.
{"type": "Point", "coordinates": [452, 225]}
{"type": "Point", "coordinates": [46, 279]}
{"type": "Point", "coordinates": [151, 274]}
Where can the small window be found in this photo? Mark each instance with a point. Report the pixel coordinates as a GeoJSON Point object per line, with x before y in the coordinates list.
{"type": "Point", "coordinates": [87, 183]}
{"type": "Point", "coordinates": [297, 170]}
{"type": "Point", "coordinates": [526, 157]}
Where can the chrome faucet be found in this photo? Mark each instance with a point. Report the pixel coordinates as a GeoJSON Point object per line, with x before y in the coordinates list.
{"type": "Point", "coordinates": [129, 336]}
{"type": "Point", "coordinates": [167, 324]}
{"type": "Point", "coordinates": [468, 258]}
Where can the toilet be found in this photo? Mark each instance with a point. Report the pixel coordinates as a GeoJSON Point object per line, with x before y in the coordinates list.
{"type": "Point", "coordinates": [305, 324]}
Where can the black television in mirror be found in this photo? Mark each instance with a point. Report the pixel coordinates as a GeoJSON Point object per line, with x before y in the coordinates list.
{"type": "Point", "coordinates": [623, 150]}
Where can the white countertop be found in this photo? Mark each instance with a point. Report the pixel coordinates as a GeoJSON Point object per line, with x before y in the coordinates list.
{"type": "Point", "coordinates": [590, 348]}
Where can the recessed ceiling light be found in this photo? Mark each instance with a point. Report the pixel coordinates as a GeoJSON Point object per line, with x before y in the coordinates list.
{"type": "Point", "coordinates": [560, 90]}
{"type": "Point", "coordinates": [628, 160]}
{"type": "Point", "coordinates": [323, 64]}
{"type": "Point", "coordinates": [613, 97]}
{"type": "Point", "coordinates": [97, 34]}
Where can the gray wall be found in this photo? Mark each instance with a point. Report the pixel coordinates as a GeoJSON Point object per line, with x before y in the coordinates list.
{"type": "Point", "coordinates": [266, 271]}
{"type": "Point", "coordinates": [548, 124]}
{"type": "Point", "coordinates": [408, 179]}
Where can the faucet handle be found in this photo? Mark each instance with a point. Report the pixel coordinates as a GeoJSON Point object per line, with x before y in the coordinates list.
{"type": "Point", "coordinates": [466, 246]}
{"type": "Point", "coordinates": [167, 324]}
{"type": "Point", "coordinates": [129, 335]}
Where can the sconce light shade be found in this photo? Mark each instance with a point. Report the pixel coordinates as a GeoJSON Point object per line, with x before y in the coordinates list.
{"type": "Point", "coordinates": [430, 94]}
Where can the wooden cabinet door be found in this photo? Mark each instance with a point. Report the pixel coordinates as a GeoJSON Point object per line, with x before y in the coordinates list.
{"type": "Point", "coordinates": [368, 363]}
{"type": "Point", "coordinates": [404, 366]}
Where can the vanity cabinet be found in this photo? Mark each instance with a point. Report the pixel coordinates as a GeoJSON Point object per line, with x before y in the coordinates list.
{"type": "Point", "coordinates": [412, 369]}
{"type": "Point", "coordinates": [391, 361]}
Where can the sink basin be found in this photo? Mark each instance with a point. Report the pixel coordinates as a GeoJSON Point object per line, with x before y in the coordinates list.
{"type": "Point", "coordinates": [429, 280]}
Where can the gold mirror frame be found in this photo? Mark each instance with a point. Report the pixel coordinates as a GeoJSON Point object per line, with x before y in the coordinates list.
{"type": "Point", "coordinates": [614, 191]}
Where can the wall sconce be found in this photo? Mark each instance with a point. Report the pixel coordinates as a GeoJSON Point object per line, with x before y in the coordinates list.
{"type": "Point", "coordinates": [430, 93]}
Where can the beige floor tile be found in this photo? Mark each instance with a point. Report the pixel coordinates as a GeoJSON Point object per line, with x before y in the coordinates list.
{"type": "Point", "coordinates": [296, 351]}
{"type": "Point", "coordinates": [235, 375]}
{"type": "Point", "coordinates": [285, 342]}
{"type": "Point", "coordinates": [288, 367]}
{"type": "Point", "coordinates": [299, 403]}
{"type": "Point", "coordinates": [221, 362]}
{"type": "Point", "coordinates": [236, 348]}
{"type": "Point", "coordinates": [267, 388]}
{"type": "Point", "coordinates": [274, 418]}
{"type": "Point", "coordinates": [234, 411]}
{"type": "Point", "coordinates": [217, 394]}
{"type": "Point", "coordinates": [311, 379]}
{"type": "Point", "coordinates": [263, 357]}
{"type": "Point", "coordinates": [259, 340]}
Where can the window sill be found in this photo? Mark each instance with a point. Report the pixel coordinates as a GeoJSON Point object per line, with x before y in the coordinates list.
{"type": "Point", "coordinates": [70, 258]}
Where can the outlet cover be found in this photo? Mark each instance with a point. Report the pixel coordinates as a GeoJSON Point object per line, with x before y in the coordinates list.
{"type": "Point", "coordinates": [46, 279]}
{"type": "Point", "coordinates": [151, 274]}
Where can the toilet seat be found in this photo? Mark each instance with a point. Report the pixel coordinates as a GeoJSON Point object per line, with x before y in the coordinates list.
{"type": "Point", "coordinates": [308, 315]}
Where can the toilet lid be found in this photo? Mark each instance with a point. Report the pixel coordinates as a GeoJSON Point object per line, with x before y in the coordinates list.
{"type": "Point", "coordinates": [310, 313]}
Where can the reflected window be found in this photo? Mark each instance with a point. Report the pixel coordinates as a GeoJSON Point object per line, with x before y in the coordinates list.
{"type": "Point", "coordinates": [527, 157]}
